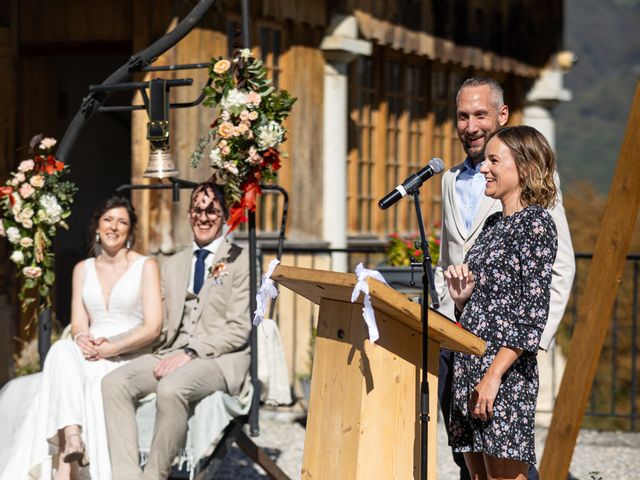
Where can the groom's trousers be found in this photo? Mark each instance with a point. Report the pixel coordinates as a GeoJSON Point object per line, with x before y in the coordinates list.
{"type": "Point", "coordinates": [121, 390]}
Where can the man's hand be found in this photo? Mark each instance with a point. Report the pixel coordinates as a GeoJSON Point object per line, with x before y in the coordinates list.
{"type": "Point", "coordinates": [461, 283]}
{"type": "Point", "coordinates": [170, 364]}
{"type": "Point", "coordinates": [87, 346]}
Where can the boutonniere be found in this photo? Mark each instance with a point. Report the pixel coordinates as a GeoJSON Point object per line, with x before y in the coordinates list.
{"type": "Point", "coordinates": [218, 271]}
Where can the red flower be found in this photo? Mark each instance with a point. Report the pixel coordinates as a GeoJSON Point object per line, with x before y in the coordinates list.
{"type": "Point", "coordinates": [6, 191]}
{"type": "Point", "coordinates": [417, 253]}
{"type": "Point", "coordinates": [271, 157]}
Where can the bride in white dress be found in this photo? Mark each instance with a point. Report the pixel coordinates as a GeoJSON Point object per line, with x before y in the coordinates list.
{"type": "Point", "coordinates": [116, 311]}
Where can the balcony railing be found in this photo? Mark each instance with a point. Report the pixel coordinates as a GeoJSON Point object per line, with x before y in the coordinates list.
{"type": "Point", "coordinates": [613, 403]}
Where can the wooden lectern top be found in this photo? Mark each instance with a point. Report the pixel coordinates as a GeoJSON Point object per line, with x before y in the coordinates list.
{"type": "Point", "coordinates": [318, 284]}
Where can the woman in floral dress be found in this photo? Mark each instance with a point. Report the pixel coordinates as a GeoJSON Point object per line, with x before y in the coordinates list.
{"type": "Point", "coordinates": [502, 292]}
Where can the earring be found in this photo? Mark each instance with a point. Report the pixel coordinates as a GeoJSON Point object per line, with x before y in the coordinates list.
{"type": "Point", "coordinates": [128, 244]}
{"type": "Point", "coordinates": [97, 238]}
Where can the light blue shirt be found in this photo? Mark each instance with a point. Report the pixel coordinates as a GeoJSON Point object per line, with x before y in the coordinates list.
{"type": "Point", "coordinates": [470, 185]}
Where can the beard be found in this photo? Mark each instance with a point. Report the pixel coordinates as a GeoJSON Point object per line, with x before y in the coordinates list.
{"type": "Point", "coordinates": [475, 154]}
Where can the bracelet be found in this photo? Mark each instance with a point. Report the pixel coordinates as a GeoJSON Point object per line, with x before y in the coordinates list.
{"type": "Point", "coordinates": [78, 335]}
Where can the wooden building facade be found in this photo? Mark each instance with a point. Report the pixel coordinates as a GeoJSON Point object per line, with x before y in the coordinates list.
{"type": "Point", "coordinates": [401, 102]}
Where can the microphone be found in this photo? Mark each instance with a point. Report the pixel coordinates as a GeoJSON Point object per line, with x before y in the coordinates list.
{"type": "Point", "coordinates": [415, 180]}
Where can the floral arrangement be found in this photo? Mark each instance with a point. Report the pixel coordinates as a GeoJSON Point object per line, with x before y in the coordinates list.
{"type": "Point", "coordinates": [401, 249]}
{"type": "Point", "coordinates": [34, 203]}
{"type": "Point", "coordinates": [246, 131]}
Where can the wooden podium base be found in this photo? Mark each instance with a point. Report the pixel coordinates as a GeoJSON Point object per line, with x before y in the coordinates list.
{"type": "Point", "coordinates": [364, 406]}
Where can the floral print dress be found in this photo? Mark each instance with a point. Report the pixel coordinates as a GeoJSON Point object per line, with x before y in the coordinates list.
{"type": "Point", "coordinates": [511, 261]}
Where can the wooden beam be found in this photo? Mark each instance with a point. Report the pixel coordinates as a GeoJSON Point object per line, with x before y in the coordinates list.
{"type": "Point", "coordinates": [594, 312]}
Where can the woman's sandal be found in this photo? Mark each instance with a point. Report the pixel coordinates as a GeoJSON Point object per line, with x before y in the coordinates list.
{"type": "Point", "coordinates": [75, 453]}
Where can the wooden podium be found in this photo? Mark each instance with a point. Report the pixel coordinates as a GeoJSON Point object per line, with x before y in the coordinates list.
{"type": "Point", "coordinates": [363, 420]}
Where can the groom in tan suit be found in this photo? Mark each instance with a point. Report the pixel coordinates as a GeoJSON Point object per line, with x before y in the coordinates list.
{"type": "Point", "coordinates": [204, 349]}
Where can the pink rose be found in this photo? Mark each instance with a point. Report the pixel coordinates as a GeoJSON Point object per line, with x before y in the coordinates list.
{"type": "Point", "coordinates": [253, 98]}
{"type": "Point", "coordinates": [26, 165]}
{"type": "Point", "coordinates": [221, 66]}
{"type": "Point", "coordinates": [26, 190]}
{"type": "Point", "coordinates": [244, 115]}
{"type": "Point", "coordinates": [225, 150]}
{"type": "Point", "coordinates": [242, 128]}
{"type": "Point", "coordinates": [37, 181]}
{"type": "Point", "coordinates": [32, 272]}
{"type": "Point", "coordinates": [253, 116]}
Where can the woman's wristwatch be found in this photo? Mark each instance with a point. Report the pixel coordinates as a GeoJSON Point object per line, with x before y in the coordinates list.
{"type": "Point", "coordinates": [191, 352]}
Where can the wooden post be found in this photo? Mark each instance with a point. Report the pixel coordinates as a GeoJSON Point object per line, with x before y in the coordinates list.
{"type": "Point", "coordinates": [595, 309]}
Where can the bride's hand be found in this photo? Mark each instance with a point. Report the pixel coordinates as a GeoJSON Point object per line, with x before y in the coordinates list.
{"type": "Point", "coordinates": [87, 346]}
{"type": "Point", "coordinates": [105, 348]}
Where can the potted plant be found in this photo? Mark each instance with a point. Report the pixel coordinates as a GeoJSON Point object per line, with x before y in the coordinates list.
{"type": "Point", "coordinates": [401, 252]}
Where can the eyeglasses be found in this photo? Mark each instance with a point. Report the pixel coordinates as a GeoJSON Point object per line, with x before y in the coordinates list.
{"type": "Point", "coordinates": [209, 212]}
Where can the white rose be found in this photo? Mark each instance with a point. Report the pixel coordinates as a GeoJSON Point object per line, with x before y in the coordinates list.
{"type": "Point", "coordinates": [270, 135]}
{"type": "Point", "coordinates": [13, 234]}
{"type": "Point", "coordinates": [27, 212]}
{"type": "Point", "coordinates": [26, 242]}
{"type": "Point", "coordinates": [47, 143]}
{"type": "Point", "coordinates": [26, 223]}
{"type": "Point", "coordinates": [17, 257]}
{"type": "Point", "coordinates": [52, 209]}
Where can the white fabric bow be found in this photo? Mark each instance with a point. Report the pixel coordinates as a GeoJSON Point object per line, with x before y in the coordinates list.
{"type": "Point", "coordinates": [367, 310]}
{"type": "Point", "coordinates": [267, 289]}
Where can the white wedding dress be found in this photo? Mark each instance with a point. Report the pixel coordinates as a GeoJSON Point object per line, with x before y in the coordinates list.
{"type": "Point", "coordinates": [67, 392]}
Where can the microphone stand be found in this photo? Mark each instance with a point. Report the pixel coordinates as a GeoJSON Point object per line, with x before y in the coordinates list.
{"type": "Point", "coordinates": [428, 287]}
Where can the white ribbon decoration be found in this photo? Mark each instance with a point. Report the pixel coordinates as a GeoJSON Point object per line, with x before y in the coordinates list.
{"type": "Point", "coordinates": [267, 289]}
{"type": "Point", "coordinates": [367, 310]}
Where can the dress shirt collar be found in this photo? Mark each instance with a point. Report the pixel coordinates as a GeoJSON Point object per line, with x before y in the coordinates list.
{"type": "Point", "coordinates": [212, 247]}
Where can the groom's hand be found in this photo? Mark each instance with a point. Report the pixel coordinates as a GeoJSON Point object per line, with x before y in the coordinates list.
{"type": "Point", "coordinates": [170, 364]}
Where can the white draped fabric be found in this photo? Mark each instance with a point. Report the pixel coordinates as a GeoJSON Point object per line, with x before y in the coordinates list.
{"type": "Point", "coordinates": [67, 392]}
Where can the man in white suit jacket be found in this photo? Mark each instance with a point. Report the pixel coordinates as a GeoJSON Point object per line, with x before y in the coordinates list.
{"type": "Point", "coordinates": [480, 110]}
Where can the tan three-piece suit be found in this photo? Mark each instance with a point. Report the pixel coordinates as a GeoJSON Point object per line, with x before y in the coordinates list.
{"type": "Point", "coordinates": [216, 324]}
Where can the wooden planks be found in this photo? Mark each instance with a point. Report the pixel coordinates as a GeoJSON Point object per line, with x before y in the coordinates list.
{"type": "Point", "coordinates": [316, 285]}
{"type": "Point", "coordinates": [594, 312]}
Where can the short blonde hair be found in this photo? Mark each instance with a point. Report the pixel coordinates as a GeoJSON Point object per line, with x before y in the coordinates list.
{"type": "Point", "coordinates": [535, 162]}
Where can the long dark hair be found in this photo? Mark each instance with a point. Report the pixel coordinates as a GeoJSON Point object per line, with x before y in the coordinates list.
{"type": "Point", "coordinates": [114, 201]}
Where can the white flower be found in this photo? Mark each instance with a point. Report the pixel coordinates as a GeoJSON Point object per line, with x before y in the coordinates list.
{"type": "Point", "coordinates": [3, 232]}
{"type": "Point", "coordinates": [216, 157]}
{"type": "Point", "coordinates": [52, 209]}
{"type": "Point", "coordinates": [230, 167]}
{"type": "Point", "coordinates": [26, 242]}
{"type": "Point", "coordinates": [245, 53]}
{"type": "Point", "coordinates": [26, 165]}
{"type": "Point", "coordinates": [233, 100]}
{"type": "Point", "coordinates": [270, 135]}
{"type": "Point", "coordinates": [17, 257]}
{"type": "Point", "coordinates": [13, 234]}
{"type": "Point", "coordinates": [27, 222]}
{"type": "Point", "coordinates": [47, 143]}
{"type": "Point", "coordinates": [27, 212]}
{"type": "Point", "coordinates": [32, 272]}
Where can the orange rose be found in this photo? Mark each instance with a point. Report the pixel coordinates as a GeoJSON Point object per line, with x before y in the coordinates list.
{"type": "Point", "coordinates": [221, 66]}
{"type": "Point", "coordinates": [226, 130]}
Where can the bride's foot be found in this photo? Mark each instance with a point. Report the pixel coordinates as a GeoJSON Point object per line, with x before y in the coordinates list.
{"type": "Point", "coordinates": [74, 450]}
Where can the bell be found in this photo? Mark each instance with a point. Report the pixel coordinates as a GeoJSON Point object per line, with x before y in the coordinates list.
{"type": "Point", "coordinates": [160, 165]}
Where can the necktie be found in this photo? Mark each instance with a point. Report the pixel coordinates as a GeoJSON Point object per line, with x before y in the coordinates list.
{"type": "Point", "coordinates": [198, 274]}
